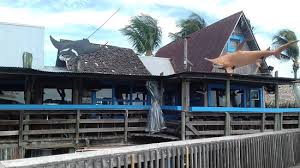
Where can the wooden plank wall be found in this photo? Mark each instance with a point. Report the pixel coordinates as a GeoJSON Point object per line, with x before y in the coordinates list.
{"type": "Point", "coordinates": [202, 125]}
{"type": "Point", "coordinates": [56, 129]}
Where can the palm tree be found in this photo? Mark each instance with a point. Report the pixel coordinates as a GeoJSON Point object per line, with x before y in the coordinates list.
{"type": "Point", "coordinates": [292, 53]}
{"type": "Point", "coordinates": [144, 34]}
{"type": "Point", "coordinates": [187, 26]}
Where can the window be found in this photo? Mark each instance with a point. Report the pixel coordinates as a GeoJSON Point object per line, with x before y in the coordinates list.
{"type": "Point", "coordinates": [234, 42]}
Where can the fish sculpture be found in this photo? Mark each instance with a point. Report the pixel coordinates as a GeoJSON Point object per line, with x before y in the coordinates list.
{"type": "Point", "coordinates": [240, 58]}
{"type": "Point", "coordinates": [70, 51]}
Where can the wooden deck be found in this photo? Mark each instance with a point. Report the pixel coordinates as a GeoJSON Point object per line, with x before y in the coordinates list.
{"type": "Point", "coordinates": [75, 127]}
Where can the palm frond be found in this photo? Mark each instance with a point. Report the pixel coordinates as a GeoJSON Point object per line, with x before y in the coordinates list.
{"type": "Point", "coordinates": [188, 26]}
{"type": "Point", "coordinates": [143, 32]}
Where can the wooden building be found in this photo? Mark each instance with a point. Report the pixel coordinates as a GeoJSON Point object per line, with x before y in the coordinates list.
{"type": "Point", "coordinates": [99, 96]}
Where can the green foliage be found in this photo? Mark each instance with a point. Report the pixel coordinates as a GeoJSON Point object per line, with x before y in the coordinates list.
{"type": "Point", "coordinates": [292, 53]}
{"type": "Point", "coordinates": [284, 36]}
{"type": "Point", "coordinates": [144, 33]}
{"type": "Point", "coordinates": [187, 26]}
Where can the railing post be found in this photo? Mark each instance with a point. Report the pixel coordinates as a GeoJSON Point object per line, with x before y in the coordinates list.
{"type": "Point", "coordinates": [27, 96]}
{"type": "Point", "coordinates": [227, 124]}
{"type": "Point", "coordinates": [263, 122]}
{"type": "Point", "coordinates": [205, 94]}
{"type": "Point", "coordinates": [298, 119]}
{"type": "Point", "coordinates": [278, 116]}
{"type": "Point", "coordinates": [77, 127]}
{"type": "Point", "coordinates": [20, 146]}
{"type": "Point", "coordinates": [185, 101]}
{"type": "Point", "coordinates": [227, 115]}
{"type": "Point", "coordinates": [126, 126]}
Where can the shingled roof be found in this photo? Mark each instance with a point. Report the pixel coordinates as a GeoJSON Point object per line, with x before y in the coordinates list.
{"type": "Point", "coordinates": [112, 60]}
{"type": "Point", "coordinates": [206, 43]}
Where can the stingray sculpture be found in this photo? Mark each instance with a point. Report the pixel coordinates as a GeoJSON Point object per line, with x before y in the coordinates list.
{"type": "Point", "coordinates": [230, 61]}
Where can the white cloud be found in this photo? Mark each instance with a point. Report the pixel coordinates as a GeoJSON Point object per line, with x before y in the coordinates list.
{"type": "Point", "coordinates": [60, 19]}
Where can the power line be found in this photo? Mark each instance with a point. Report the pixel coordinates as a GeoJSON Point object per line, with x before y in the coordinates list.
{"type": "Point", "coordinates": [103, 23]}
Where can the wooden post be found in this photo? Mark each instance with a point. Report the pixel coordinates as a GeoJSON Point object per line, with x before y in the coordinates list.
{"type": "Point", "coordinates": [278, 116]}
{"type": "Point", "coordinates": [263, 115]}
{"type": "Point", "coordinates": [126, 126]}
{"type": "Point", "coordinates": [27, 96]}
{"type": "Point", "coordinates": [298, 119]}
{"type": "Point", "coordinates": [263, 122]}
{"type": "Point", "coordinates": [75, 100]}
{"type": "Point", "coordinates": [185, 101]}
{"type": "Point", "coordinates": [20, 146]}
{"type": "Point", "coordinates": [161, 102]}
{"type": "Point", "coordinates": [228, 93]}
{"type": "Point", "coordinates": [205, 94]}
{"type": "Point", "coordinates": [75, 92]}
{"type": "Point", "coordinates": [77, 127]}
{"type": "Point", "coordinates": [227, 115]}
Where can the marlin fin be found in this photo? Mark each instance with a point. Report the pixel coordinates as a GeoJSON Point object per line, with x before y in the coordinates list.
{"type": "Point", "coordinates": [207, 59]}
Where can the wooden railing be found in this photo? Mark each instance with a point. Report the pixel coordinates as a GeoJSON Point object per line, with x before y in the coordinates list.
{"type": "Point", "coordinates": [262, 150]}
{"type": "Point", "coordinates": [65, 126]}
{"type": "Point", "coordinates": [73, 126]}
{"type": "Point", "coordinates": [203, 122]}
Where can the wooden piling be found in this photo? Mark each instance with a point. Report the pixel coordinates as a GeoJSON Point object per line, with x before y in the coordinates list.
{"type": "Point", "coordinates": [126, 126]}
{"type": "Point", "coordinates": [278, 116]}
{"type": "Point", "coordinates": [185, 100]}
{"type": "Point", "coordinates": [77, 127]}
{"type": "Point", "coordinates": [20, 145]}
{"type": "Point", "coordinates": [227, 115]}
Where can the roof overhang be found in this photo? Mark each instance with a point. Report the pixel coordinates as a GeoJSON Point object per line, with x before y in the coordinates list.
{"type": "Point", "coordinates": [194, 76]}
{"type": "Point", "coordinates": [22, 72]}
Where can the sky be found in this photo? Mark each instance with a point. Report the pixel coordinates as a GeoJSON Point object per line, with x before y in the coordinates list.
{"type": "Point", "coordinates": [77, 19]}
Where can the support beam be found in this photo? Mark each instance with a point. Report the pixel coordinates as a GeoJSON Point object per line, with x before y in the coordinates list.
{"type": "Point", "coordinates": [75, 92]}
{"type": "Point", "coordinates": [263, 122]}
{"type": "Point", "coordinates": [126, 126]}
{"type": "Point", "coordinates": [185, 101]}
{"type": "Point", "coordinates": [263, 105]}
{"type": "Point", "coordinates": [205, 94]}
{"type": "Point", "coordinates": [28, 90]}
{"type": "Point", "coordinates": [77, 127]}
{"type": "Point", "coordinates": [20, 147]}
{"type": "Point", "coordinates": [227, 115]}
{"type": "Point", "coordinates": [228, 93]}
{"type": "Point", "coordinates": [278, 116]}
{"type": "Point", "coordinates": [75, 100]}
{"type": "Point", "coordinates": [161, 93]}
{"type": "Point", "coordinates": [27, 97]}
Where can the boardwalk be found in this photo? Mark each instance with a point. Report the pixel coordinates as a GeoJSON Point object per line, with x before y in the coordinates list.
{"type": "Point", "coordinates": [262, 150]}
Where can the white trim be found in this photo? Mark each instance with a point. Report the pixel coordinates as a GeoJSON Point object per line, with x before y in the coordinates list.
{"type": "Point", "coordinates": [231, 32]}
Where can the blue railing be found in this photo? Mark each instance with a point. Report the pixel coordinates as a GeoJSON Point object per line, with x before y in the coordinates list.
{"type": "Point", "coordinates": [243, 110]}
{"type": "Point", "coordinates": [73, 107]}
{"type": "Point", "coordinates": [36, 107]}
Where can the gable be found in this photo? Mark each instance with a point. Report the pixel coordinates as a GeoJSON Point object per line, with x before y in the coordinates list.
{"type": "Point", "coordinates": [240, 33]}
{"type": "Point", "coordinates": [206, 43]}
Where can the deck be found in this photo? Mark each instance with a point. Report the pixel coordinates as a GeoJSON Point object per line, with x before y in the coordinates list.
{"type": "Point", "coordinates": [27, 128]}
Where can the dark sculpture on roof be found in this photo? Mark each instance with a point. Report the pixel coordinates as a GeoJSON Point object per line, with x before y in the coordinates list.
{"type": "Point", "coordinates": [83, 56]}
{"type": "Point", "coordinates": [69, 52]}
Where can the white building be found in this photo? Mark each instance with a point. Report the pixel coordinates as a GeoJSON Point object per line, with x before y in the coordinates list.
{"type": "Point", "coordinates": [15, 39]}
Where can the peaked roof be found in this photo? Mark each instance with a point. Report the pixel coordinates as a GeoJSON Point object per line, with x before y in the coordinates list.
{"type": "Point", "coordinates": [208, 42]}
